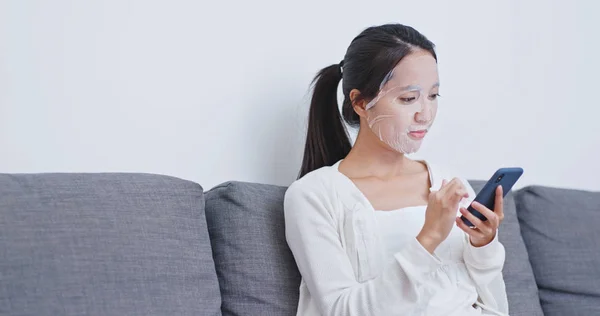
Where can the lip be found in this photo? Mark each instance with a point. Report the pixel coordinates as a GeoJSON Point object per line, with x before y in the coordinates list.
{"type": "Point", "coordinates": [420, 134]}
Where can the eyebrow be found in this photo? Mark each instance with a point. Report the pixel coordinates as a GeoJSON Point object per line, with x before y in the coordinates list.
{"type": "Point", "coordinates": [417, 87]}
{"type": "Point", "coordinates": [411, 88]}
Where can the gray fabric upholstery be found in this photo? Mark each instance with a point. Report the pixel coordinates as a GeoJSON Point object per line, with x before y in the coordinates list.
{"type": "Point", "coordinates": [518, 275]}
{"type": "Point", "coordinates": [104, 244]}
{"type": "Point", "coordinates": [257, 272]}
{"type": "Point", "coordinates": [561, 231]}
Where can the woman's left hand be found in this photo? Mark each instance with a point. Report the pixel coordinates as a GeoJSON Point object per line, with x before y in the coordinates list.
{"type": "Point", "coordinates": [484, 231]}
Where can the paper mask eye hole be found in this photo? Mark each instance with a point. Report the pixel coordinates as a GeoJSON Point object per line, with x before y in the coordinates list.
{"type": "Point", "coordinates": [434, 96]}
{"type": "Point", "coordinates": [407, 99]}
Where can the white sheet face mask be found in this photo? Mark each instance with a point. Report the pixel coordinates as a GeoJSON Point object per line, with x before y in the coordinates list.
{"type": "Point", "coordinates": [400, 115]}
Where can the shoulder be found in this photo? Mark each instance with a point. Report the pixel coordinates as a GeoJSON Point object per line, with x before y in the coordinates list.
{"type": "Point", "coordinates": [441, 172]}
{"type": "Point", "coordinates": [316, 188]}
{"type": "Point", "coordinates": [313, 181]}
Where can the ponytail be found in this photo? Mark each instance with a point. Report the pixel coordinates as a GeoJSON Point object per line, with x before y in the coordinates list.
{"type": "Point", "coordinates": [327, 140]}
{"type": "Point", "coordinates": [369, 59]}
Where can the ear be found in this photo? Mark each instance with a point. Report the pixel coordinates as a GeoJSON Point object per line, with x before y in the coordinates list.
{"type": "Point", "coordinates": [358, 103]}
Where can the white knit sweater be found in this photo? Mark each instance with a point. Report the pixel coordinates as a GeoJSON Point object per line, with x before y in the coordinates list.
{"type": "Point", "coordinates": [333, 233]}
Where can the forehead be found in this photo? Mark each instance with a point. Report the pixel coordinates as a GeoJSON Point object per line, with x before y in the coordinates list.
{"type": "Point", "coordinates": [417, 68]}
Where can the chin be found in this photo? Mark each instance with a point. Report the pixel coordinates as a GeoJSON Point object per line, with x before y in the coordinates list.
{"type": "Point", "coordinates": [412, 148]}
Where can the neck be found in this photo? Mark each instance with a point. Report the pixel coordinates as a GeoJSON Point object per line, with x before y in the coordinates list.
{"type": "Point", "coordinates": [371, 157]}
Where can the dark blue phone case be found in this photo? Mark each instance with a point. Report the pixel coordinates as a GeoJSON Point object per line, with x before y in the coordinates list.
{"type": "Point", "coordinates": [506, 177]}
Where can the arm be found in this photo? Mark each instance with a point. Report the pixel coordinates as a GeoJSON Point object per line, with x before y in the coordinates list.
{"type": "Point", "coordinates": [484, 265]}
{"type": "Point", "coordinates": [312, 235]}
{"type": "Point", "coordinates": [486, 262]}
{"type": "Point", "coordinates": [487, 259]}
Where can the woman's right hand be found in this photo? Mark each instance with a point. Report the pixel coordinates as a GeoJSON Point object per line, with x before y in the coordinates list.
{"type": "Point", "coordinates": [440, 215]}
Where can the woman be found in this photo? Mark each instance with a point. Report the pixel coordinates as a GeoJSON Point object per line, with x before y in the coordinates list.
{"type": "Point", "coordinates": [372, 231]}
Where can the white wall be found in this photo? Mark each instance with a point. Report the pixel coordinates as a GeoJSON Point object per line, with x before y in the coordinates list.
{"type": "Point", "coordinates": [218, 91]}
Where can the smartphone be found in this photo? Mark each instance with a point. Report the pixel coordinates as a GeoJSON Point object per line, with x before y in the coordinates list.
{"type": "Point", "coordinates": [506, 177]}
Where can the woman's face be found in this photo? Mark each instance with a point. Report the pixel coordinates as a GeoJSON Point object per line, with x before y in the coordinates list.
{"type": "Point", "coordinates": [405, 107]}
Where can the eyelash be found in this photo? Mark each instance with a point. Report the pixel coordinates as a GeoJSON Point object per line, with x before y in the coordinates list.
{"type": "Point", "coordinates": [433, 97]}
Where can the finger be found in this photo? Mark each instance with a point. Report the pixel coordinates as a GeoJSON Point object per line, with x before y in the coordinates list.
{"type": "Point", "coordinates": [454, 185]}
{"type": "Point", "coordinates": [446, 186]}
{"type": "Point", "coordinates": [454, 191]}
{"type": "Point", "coordinates": [485, 227]}
{"type": "Point", "coordinates": [489, 214]}
{"type": "Point", "coordinates": [451, 183]}
{"type": "Point", "coordinates": [470, 231]}
{"type": "Point", "coordinates": [499, 203]}
{"type": "Point", "coordinates": [459, 195]}
{"type": "Point", "coordinates": [442, 188]}
{"type": "Point", "coordinates": [461, 186]}
{"type": "Point", "coordinates": [457, 182]}
{"type": "Point", "coordinates": [472, 218]}
{"type": "Point", "coordinates": [444, 182]}
{"type": "Point", "coordinates": [458, 188]}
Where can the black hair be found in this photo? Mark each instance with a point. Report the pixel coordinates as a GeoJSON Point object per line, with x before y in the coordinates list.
{"type": "Point", "coordinates": [369, 58]}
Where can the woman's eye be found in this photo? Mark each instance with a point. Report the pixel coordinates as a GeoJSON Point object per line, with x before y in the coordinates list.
{"type": "Point", "coordinates": [434, 96]}
{"type": "Point", "coordinates": [408, 99]}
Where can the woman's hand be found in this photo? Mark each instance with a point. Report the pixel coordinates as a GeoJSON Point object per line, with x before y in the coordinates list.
{"type": "Point", "coordinates": [440, 213]}
{"type": "Point", "coordinates": [484, 231]}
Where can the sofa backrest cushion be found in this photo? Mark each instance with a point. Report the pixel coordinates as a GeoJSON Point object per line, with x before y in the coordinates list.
{"type": "Point", "coordinates": [518, 275]}
{"type": "Point", "coordinates": [257, 272]}
{"type": "Point", "coordinates": [560, 228]}
{"type": "Point", "coordinates": [104, 244]}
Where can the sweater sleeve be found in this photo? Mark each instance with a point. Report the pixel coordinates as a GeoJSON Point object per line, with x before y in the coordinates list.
{"type": "Point", "coordinates": [312, 235]}
{"type": "Point", "coordinates": [485, 265]}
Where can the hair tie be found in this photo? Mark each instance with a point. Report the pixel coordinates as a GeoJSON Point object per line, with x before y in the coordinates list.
{"type": "Point", "coordinates": [341, 65]}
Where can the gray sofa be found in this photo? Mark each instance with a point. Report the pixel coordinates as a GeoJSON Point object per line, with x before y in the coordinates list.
{"type": "Point", "coordinates": [140, 244]}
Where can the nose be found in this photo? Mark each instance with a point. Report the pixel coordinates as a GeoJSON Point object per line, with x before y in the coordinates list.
{"type": "Point", "coordinates": [424, 115]}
